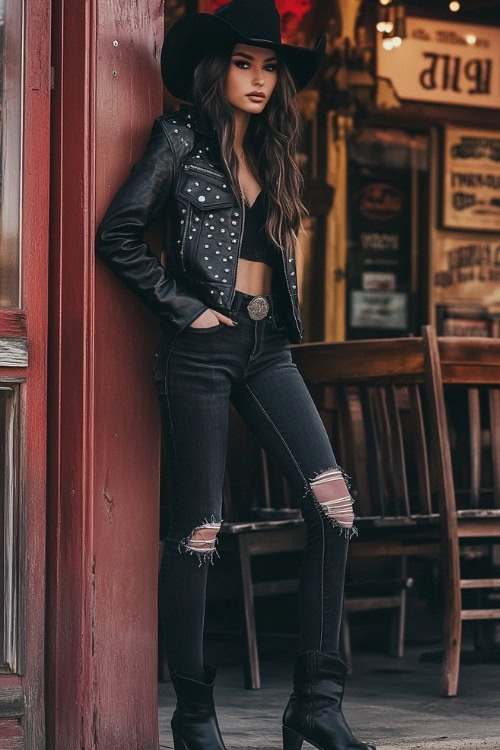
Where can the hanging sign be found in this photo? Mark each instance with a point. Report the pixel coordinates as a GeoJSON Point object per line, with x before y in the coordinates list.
{"type": "Point", "coordinates": [444, 62]}
{"type": "Point", "coordinates": [467, 270]}
{"type": "Point", "coordinates": [471, 176]}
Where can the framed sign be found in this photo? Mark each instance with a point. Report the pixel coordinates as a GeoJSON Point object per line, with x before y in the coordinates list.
{"type": "Point", "coordinates": [471, 176]}
{"type": "Point", "coordinates": [444, 62]}
{"type": "Point", "coordinates": [467, 270]}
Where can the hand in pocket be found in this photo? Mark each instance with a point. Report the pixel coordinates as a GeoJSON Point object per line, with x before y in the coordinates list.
{"type": "Point", "coordinates": [210, 318]}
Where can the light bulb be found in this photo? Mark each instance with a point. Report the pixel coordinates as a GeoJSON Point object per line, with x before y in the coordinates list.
{"type": "Point", "coordinates": [470, 38]}
{"type": "Point", "coordinates": [388, 43]}
{"type": "Point", "coordinates": [384, 2]}
{"type": "Point", "coordinates": [454, 6]}
{"type": "Point", "coordinates": [396, 41]}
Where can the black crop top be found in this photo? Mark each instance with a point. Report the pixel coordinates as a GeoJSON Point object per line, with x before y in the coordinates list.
{"type": "Point", "coordinates": [256, 245]}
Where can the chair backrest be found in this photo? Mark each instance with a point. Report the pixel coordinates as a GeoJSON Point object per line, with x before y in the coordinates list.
{"type": "Point", "coordinates": [373, 399]}
{"type": "Point", "coordinates": [470, 374]}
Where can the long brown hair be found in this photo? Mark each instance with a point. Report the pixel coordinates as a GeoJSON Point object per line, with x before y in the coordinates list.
{"type": "Point", "coordinates": [271, 141]}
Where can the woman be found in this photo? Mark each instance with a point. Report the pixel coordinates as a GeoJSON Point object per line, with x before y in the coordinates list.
{"type": "Point", "coordinates": [224, 169]}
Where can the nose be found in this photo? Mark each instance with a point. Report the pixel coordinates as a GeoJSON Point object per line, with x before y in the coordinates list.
{"type": "Point", "coordinates": [258, 81]}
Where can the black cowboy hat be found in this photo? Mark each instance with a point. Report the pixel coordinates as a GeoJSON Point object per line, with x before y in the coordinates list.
{"type": "Point", "coordinates": [254, 22]}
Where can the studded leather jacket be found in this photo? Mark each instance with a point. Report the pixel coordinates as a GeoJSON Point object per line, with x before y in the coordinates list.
{"type": "Point", "coordinates": [180, 175]}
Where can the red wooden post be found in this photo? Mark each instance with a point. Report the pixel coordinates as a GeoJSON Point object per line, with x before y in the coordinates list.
{"type": "Point", "coordinates": [105, 430]}
{"type": "Point", "coordinates": [22, 673]}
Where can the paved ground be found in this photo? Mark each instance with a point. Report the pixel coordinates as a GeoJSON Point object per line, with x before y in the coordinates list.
{"type": "Point", "coordinates": [395, 704]}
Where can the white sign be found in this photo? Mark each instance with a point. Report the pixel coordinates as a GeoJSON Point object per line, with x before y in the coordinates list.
{"type": "Point", "coordinates": [471, 198]}
{"type": "Point", "coordinates": [467, 270]}
{"type": "Point", "coordinates": [444, 62]}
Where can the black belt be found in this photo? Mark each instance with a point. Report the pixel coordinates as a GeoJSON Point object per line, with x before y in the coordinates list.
{"type": "Point", "coordinates": [258, 307]}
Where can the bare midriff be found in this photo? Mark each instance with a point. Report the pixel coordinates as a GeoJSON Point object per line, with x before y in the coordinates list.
{"type": "Point", "coordinates": [253, 277]}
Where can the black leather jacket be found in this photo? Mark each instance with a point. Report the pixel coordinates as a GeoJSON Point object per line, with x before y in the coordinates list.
{"type": "Point", "coordinates": [181, 174]}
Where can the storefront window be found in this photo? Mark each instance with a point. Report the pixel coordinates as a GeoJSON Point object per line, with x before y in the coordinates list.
{"type": "Point", "coordinates": [11, 55]}
{"type": "Point", "coordinates": [9, 525]}
{"type": "Point", "coordinates": [387, 221]}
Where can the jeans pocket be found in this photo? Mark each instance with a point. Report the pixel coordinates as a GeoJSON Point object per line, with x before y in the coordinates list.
{"type": "Point", "coordinates": [278, 321]}
{"type": "Point", "coordinates": [210, 329]}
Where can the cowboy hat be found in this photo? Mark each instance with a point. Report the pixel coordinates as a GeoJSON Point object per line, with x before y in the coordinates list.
{"type": "Point", "coordinates": [253, 22]}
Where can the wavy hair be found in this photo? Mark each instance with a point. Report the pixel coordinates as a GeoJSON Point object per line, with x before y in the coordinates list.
{"type": "Point", "coordinates": [271, 142]}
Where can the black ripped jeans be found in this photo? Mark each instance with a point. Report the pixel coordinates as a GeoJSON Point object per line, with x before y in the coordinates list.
{"type": "Point", "coordinates": [197, 373]}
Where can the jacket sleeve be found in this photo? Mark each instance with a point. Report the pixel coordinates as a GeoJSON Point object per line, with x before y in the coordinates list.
{"type": "Point", "coordinates": [120, 236]}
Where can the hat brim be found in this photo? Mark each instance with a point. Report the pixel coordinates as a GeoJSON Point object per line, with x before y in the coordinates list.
{"type": "Point", "coordinates": [197, 34]}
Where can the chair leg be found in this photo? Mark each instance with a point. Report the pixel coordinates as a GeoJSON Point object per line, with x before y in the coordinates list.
{"type": "Point", "coordinates": [251, 658]}
{"type": "Point", "coordinates": [398, 627]}
{"type": "Point", "coordinates": [452, 640]}
{"type": "Point", "coordinates": [346, 641]}
{"type": "Point", "coordinates": [399, 622]}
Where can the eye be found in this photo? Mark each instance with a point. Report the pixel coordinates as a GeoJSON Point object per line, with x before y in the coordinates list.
{"type": "Point", "coordinates": [241, 63]}
{"type": "Point", "coordinates": [271, 67]}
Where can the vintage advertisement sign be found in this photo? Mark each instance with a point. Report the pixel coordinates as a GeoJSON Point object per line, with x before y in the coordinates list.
{"type": "Point", "coordinates": [379, 251]}
{"type": "Point", "coordinates": [444, 62]}
{"type": "Point", "coordinates": [467, 270]}
{"type": "Point", "coordinates": [471, 196]}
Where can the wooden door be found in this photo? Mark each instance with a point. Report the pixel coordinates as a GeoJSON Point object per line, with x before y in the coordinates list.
{"type": "Point", "coordinates": [24, 195]}
{"type": "Point", "coordinates": [104, 439]}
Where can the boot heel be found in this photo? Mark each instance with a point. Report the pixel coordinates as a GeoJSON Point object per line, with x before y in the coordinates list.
{"type": "Point", "coordinates": [179, 743]}
{"type": "Point", "coordinates": [291, 740]}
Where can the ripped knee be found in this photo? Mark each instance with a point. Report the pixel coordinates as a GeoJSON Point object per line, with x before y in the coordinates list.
{"type": "Point", "coordinates": [333, 499]}
{"type": "Point", "coordinates": [202, 541]}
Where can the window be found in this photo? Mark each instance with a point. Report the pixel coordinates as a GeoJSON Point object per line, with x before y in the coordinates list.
{"type": "Point", "coordinates": [9, 525]}
{"type": "Point", "coordinates": [11, 56]}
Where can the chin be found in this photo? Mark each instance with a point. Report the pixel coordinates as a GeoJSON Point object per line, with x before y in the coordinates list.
{"type": "Point", "coordinates": [253, 107]}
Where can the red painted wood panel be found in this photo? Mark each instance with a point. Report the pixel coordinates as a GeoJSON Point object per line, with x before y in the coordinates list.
{"type": "Point", "coordinates": [104, 432]}
{"type": "Point", "coordinates": [12, 735]}
{"type": "Point", "coordinates": [127, 429]}
{"type": "Point", "coordinates": [13, 322]}
{"type": "Point", "coordinates": [31, 322]}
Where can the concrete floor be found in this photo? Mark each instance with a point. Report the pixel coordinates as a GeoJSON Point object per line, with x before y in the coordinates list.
{"type": "Point", "coordinates": [394, 703]}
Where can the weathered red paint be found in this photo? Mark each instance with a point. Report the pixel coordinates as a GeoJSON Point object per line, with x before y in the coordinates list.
{"type": "Point", "coordinates": [31, 321]}
{"type": "Point", "coordinates": [104, 427]}
{"type": "Point", "coordinates": [12, 735]}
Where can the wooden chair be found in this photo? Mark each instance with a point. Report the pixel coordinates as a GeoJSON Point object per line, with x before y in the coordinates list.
{"type": "Point", "coordinates": [373, 401]}
{"type": "Point", "coordinates": [276, 527]}
{"type": "Point", "coordinates": [363, 390]}
{"type": "Point", "coordinates": [464, 383]}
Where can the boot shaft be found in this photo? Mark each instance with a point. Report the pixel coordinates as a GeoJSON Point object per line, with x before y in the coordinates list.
{"type": "Point", "coordinates": [319, 678]}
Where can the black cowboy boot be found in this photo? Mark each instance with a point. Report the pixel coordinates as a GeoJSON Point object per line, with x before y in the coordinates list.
{"type": "Point", "coordinates": [314, 711]}
{"type": "Point", "coordinates": [194, 723]}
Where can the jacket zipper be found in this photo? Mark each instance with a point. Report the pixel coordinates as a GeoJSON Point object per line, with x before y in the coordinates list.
{"type": "Point", "coordinates": [183, 245]}
{"type": "Point", "coordinates": [189, 167]}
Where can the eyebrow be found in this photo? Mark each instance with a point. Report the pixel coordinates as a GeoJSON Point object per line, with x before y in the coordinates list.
{"type": "Point", "coordinates": [250, 57]}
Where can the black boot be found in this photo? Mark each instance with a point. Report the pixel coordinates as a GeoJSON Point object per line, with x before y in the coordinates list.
{"type": "Point", "coordinates": [314, 711]}
{"type": "Point", "coordinates": [194, 723]}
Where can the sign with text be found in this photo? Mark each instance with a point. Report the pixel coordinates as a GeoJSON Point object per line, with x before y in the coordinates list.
{"type": "Point", "coordinates": [444, 62]}
{"type": "Point", "coordinates": [471, 176]}
{"type": "Point", "coordinates": [467, 270]}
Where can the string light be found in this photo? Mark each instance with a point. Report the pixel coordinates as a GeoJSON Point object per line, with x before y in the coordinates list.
{"type": "Point", "coordinates": [470, 38]}
{"type": "Point", "coordinates": [396, 41]}
{"type": "Point", "coordinates": [383, 24]}
{"type": "Point", "coordinates": [384, 2]}
{"type": "Point", "coordinates": [454, 6]}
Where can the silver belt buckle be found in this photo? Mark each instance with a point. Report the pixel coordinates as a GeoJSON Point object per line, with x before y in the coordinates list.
{"type": "Point", "coordinates": [258, 308]}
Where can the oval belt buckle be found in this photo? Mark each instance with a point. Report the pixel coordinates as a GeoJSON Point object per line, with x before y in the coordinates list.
{"type": "Point", "coordinates": [258, 308]}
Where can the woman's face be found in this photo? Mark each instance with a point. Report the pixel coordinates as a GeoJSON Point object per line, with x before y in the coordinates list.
{"type": "Point", "coordinates": [251, 78]}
